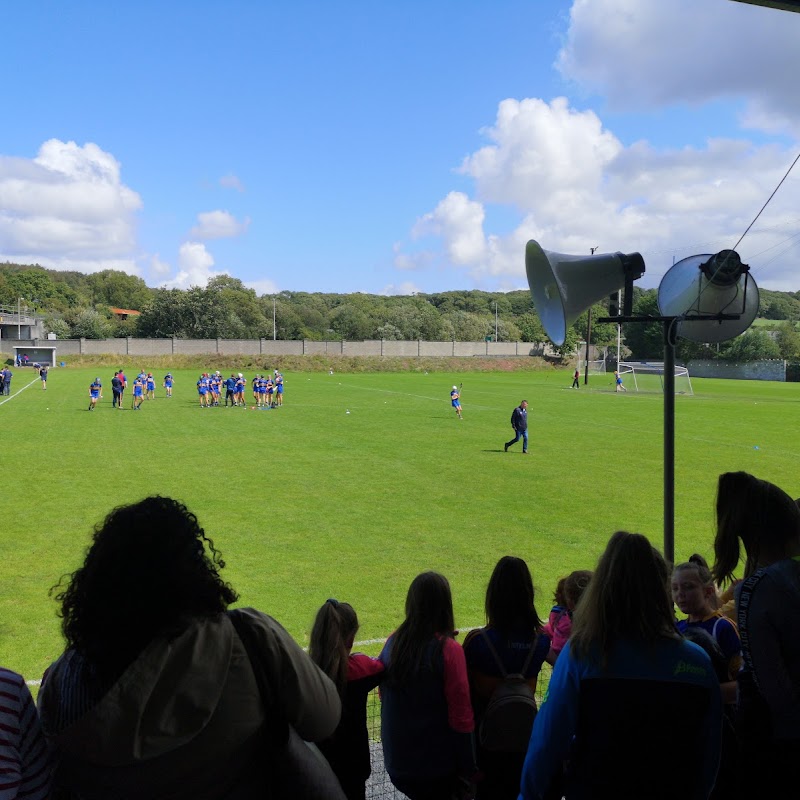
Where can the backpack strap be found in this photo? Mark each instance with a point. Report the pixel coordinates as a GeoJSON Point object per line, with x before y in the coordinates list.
{"type": "Point", "coordinates": [499, 661]}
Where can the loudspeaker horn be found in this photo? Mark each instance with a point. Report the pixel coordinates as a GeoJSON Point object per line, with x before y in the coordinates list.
{"type": "Point", "coordinates": [564, 286]}
{"type": "Point", "coordinates": [709, 285]}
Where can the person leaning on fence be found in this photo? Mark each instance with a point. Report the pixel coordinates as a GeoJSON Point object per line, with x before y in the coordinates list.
{"type": "Point", "coordinates": [155, 694]}
{"type": "Point", "coordinates": [426, 714]}
{"type": "Point", "coordinates": [512, 643]}
{"type": "Point", "coordinates": [626, 688]}
{"type": "Point", "coordinates": [355, 676]}
{"type": "Point", "coordinates": [761, 517]}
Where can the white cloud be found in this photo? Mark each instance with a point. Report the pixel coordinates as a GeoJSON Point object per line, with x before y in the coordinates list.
{"type": "Point", "coordinates": [230, 181]}
{"type": "Point", "coordinates": [218, 225]}
{"type": "Point", "coordinates": [578, 187]}
{"type": "Point", "coordinates": [194, 267]}
{"type": "Point", "coordinates": [159, 267]}
{"type": "Point", "coordinates": [404, 288]}
{"type": "Point", "coordinates": [649, 53]}
{"type": "Point", "coordinates": [67, 209]}
{"type": "Point", "coordinates": [263, 286]}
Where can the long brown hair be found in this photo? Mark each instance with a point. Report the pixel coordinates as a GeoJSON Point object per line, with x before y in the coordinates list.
{"type": "Point", "coordinates": [335, 627]}
{"type": "Point", "coordinates": [429, 611]}
{"type": "Point", "coordinates": [757, 513]}
{"type": "Point", "coordinates": [627, 598]}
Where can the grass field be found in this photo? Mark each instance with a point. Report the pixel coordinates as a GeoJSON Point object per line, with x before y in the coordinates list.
{"type": "Point", "coordinates": [308, 502]}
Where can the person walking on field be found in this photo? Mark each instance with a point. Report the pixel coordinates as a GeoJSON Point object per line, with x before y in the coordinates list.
{"type": "Point", "coordinates": [519, 422]}
{"type": "Point", "coordinates": [618, 382]}
{"type": "Point", "coordinates": [576, 379]}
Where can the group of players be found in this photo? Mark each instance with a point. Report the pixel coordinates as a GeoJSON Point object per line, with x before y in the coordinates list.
{"type": "Point", "coordinates": [267, 389]}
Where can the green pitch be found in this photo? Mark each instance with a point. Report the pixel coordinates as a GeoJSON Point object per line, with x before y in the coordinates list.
{"type": "Point", "coordinates": [308, 501]}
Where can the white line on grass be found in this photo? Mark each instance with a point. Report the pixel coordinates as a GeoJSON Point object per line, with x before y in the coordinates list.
{"type": "Point", "coordinates": [12, 396]}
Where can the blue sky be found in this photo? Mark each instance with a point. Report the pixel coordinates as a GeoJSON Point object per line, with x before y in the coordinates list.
{"type": "Point", "coordinates": [395, 147]}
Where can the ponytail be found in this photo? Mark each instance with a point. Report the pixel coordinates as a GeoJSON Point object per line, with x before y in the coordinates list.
{"type": "Point", "coordinates": [334, 626]}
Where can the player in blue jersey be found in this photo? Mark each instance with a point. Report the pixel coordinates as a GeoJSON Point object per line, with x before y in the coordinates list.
{"type": "Point", "coordinates": [278, 388]}
{"type": "Point", "coordinates": [168, 382]}
{"type": "Point", "coordinates": [238, 392]}
{"type": "Point", "coordinates": [455, 401]}
{"type": "Point", "coordinates": [150, 385]}
{"type": "Point", "coordinates": [95, 387]}
{"type": "Point", "coordinates": [202, 390]}
{"type": "Point", "coordinates": [138, 393]}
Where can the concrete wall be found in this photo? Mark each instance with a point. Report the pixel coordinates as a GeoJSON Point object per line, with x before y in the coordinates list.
{"type": "Point", "coordinates": [270, 347]}
{"type": "Point", "coordinates": [772, 370]}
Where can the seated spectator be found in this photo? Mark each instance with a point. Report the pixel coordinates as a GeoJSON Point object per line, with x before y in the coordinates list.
{"type": "Point", "coordinates": [762, 518]}
{"type": "Point", "coordinates": [355, 676]}
{"type": "Point", "coordinates": [426, 715]}
{"type": "Point", "coordinates": [568, 593]}
{"type": "Point", "coordinates": [511, 643]}
{"type": "Point", "coordinates": [155, 696]}
{"type": "Point", "coordinates": [24, 759]}
{"type": "Point", "coordinates": [626, 687]}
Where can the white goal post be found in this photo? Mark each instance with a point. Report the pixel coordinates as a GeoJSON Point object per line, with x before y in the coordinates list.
{"type": "Point", "coordinates": [648, 376]}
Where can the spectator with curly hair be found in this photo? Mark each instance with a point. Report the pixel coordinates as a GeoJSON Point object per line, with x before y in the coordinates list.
{"type": "Point", "coordinates": [155, 695]}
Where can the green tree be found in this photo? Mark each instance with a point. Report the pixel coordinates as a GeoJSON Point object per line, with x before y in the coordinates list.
{"type": "Point", "coordinates": [530, 328]}
{"type": "Point", "coordinates": [89, 324]}
{"type": "Point", "coordinates": [162, 317]}
{"type": "Point", "coordinates": [118, 290]}
{"type": "Point", "coordinates": [352, 323]}
{"type": "Point", "coordinates": [788, 341]}
{"type": "Point", "coordinates": [645, 340]}
{"type": "Point", "coordinates": [753, 345]}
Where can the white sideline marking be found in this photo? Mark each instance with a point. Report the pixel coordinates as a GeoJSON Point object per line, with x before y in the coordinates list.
{"type": "Point", "coordinates": [12, 396]}
{"type": "Point", "coordinates": [355, 644]}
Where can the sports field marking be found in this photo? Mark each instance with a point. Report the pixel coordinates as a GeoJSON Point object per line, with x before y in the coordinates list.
{"type": "Point", "coordinates": [12, 396]}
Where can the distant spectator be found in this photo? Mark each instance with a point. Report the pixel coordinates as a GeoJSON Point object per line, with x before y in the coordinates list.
{"type": "Point", "coordinates": [626, 688]}
{"type": "Point", "coordinates": [24, 760]}
{"type": "Point", "coordinates": [8, 374]}
{"type": "Point", "coordinates": [355, 676]}
{"type": "Point", "coordinates": [762, 518]}
{"type": "Point", "coordinates": [426, 715]}
{"type": "Point", "coordinates": [155, 696]}
{"type": "Point", "coordinates": [513, 636]}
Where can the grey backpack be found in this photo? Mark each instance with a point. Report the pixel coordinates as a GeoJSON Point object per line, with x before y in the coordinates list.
{"type": "Point", "coordinates": [508, 718]}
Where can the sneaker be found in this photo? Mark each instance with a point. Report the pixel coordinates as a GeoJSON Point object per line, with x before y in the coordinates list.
{"type": "Point", "coordinates": [524, 452]}
{"type": "Point", "coordinates": [505, 448]}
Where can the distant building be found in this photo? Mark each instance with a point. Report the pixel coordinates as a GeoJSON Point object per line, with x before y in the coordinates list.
{"type": "Point", "coordinates": [124, 313]}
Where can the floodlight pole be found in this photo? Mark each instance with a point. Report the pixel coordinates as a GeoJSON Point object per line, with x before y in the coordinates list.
{"type": "Point", "coordinates": [670, 337]}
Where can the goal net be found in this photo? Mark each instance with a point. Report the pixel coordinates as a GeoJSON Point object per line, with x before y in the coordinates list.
{"type": "Point", "coordinates": [648, 376]}
{"type": "Point", "coordinates": [596, 366]}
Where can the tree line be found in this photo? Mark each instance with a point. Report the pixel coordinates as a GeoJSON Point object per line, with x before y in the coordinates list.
{"type": "Point", "coordinates": [76, 305]}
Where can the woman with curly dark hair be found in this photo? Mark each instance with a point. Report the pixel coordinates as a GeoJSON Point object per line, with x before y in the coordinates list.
{"type": "Point", "coordinates": [155, 695]}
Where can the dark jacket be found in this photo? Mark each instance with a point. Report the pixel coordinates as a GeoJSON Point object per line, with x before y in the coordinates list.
{"type": "Point", "coordinates": [519, 419]}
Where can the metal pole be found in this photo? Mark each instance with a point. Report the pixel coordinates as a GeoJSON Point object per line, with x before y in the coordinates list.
{"type": "Point", "coordinates": [495, 320]}
{"type": "Point", "coordinates": [19, 318]}
{"type": "Point", "coordinates": [274, 332]}
{"type": "Point", "coordinates": [669, 441]}
{"type": "Point", "coordinates": [588, 337]}
{"type": "Point", "coordinates": [619, 328]}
